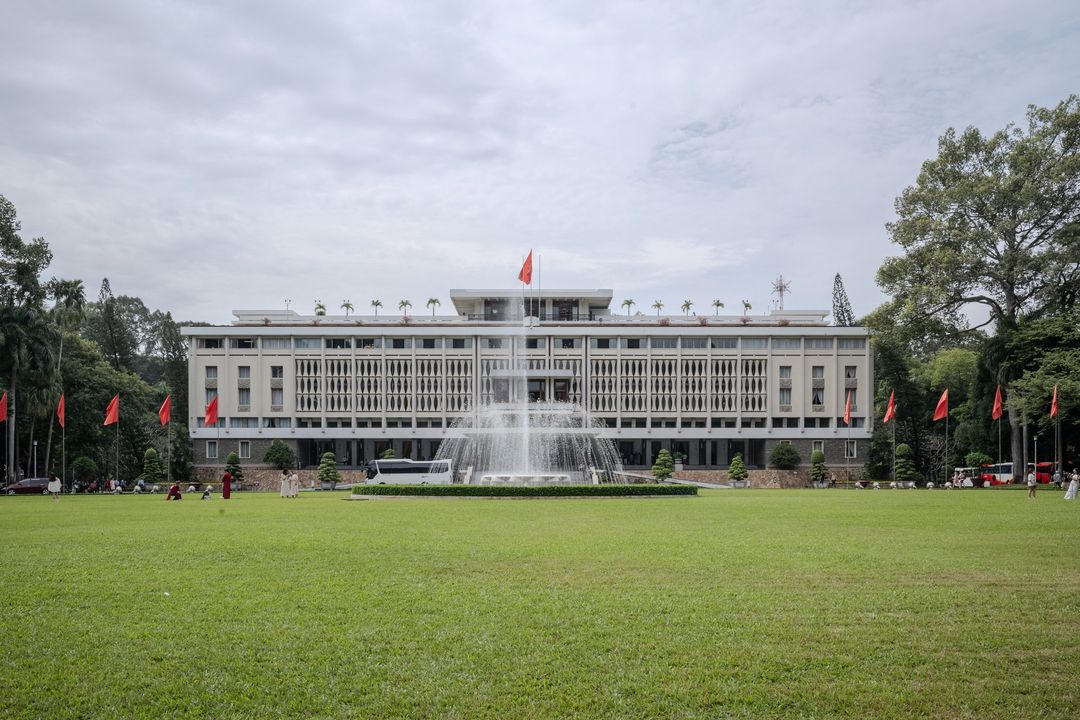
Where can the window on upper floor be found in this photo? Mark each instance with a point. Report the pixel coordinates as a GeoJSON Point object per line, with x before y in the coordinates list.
{"type": "Point", "coordinates": [849, 372]}
{"type": "Point", "coordinates": [663, 343]}
{"type": "Point", "coordinates": [851, 343]}
{"type": "Point", "coordinates": [400, 343]}
{"type": "Point", "coordinates": [243, 372]}
{"type": "Point", "coordinates": [755, 343]}
{"type": "Point", "coordinates": [602, 343]}
{"type": "Point", "coordinates": [786, 343]}
{"type": "Point", "coordinates": [819, 343]}
{"type": "Point", "coordinates": [337, 343]}
{"type": "Point", "coordinates": [368, 343]}
{"type": "Point", "coordinates": [694, 343]}
{"type": "Point", "coordinates": [568, 343]}
{"type": "Point", "coordinates": [242, 343]}
{"type": "Point", "coordinates": [785, 372]}
{"type": "Point", "coordinates": [277, 372]}
{"type": "Point", "coordinates": [308, 343]}
{"type": "Point", "coordinates": [429, 343]}
{"type": "Point", "coordinates": [276, 343]}
{"type": "Point", "coordinates": [494, 343]}
{"type": "Point", "coordinates": [211, 372]}
{"type": "Point", "coordinates": [633, 343]}
{"type": "Point", "coordinates": [209, 343]}
{"type": "Point", "coordinates": [724, 343]}
{"type": "Point", "coordinates": [461, 343]}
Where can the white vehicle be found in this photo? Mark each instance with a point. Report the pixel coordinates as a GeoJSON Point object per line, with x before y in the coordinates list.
{"type": "Point", "coordinates": [410, 472]}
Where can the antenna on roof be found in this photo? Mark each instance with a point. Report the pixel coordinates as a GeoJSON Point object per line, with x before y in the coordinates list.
{"type": "Point", "coordinates": [780, 287]}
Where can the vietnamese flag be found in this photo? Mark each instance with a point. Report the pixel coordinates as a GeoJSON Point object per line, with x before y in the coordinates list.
{"type": "Point", "coordinates": [60, 410]}
{"type": "Point", "coordinates": [942, 410]}
{"type": "Point", "coordinates": [165, 411]}
{"type": "Point", "coordinates": [847, 410]}
{"type": "Point", "coordinates": [995, 414]}
{"type": "Point", "coordinates": [112, 413]}
{"type": "Point", "coordinates": [211, 413]}
{"type": "Point", "coordinates": [1053, 405]}
{"type": "Point", "coordinates": [890, 410]}
{"type": "Point", "coordinates": [525, 275]}
{"type": "Point", "coordinates": [3, 407]}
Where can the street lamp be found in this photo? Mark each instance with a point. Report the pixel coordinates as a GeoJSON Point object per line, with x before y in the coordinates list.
{"type": "Point", "coordinates": [35, 458]}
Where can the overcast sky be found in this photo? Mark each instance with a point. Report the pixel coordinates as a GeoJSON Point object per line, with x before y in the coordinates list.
{"type": "Point", "coordinates": [207, 156]}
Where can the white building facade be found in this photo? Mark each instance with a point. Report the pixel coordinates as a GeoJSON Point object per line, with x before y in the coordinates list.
{"type": "Point", "coordinates": [705, 387]}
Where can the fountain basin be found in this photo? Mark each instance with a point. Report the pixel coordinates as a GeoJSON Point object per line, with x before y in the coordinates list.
{"type": "Point", "coordinates": [525, 479]}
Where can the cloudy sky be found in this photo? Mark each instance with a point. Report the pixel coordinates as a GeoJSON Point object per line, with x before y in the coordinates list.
{"type": "Point", "coordinates": [215, 155]}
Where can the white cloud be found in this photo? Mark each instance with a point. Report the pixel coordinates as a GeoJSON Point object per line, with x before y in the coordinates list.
{"type": "Point", "coordinates": [208, 157]}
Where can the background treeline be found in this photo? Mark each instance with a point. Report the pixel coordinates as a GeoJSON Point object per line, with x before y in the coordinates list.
{"type": "Point", "coordinates": [984, 293]}
{"type": "Point", "coordinates": [54, 340]}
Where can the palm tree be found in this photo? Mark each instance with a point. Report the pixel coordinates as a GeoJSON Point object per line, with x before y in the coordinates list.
{"type": "Point", "coordinates": [26, 346]}
{"type": "Point", "coordinates": [658, 305]}
{"type": "Point", "coordinates": [686, 305]}
{"type": "Point", "coordinates": [320, 309]}
{"type": "Point", "coordinates": [376, 304]}
{"type": "Point", "coordinates": [69, 311]}
{"type": "Point", "coordinates": [347, 307]}
{"type": "Point", "coordinates": [717, 304]}
{"type": "Point", "coordinates": [745, 307]}
{"type": "Point", "coordinates": [433, 303]}
{"type": "Point", "coordinates": [628, 303]}
{"type": "Point", "coordinates": [404, 306]}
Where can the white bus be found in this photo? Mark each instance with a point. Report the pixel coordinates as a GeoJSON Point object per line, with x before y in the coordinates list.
{"type": "Point", "coordinates": [410, 472]}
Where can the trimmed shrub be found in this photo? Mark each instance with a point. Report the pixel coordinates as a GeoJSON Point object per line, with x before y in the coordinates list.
{"type": "Point", "coordinates": [737, 469]}
{"type": "Point", "coordinates": [905, 464]}
{"type": "Point", "coordinates": [232, 466]}
{"type": "Point", "coordinates": [328, 472]}
{"type": "Point", "coordinates": [84, 469]}
{"type": "Point", "coordinates": [525, 491]}
{"type": "Point", "coordinates": [818, 472]}
{"type": "Point", "coordinates": [151, 468]}
{"type": "Point", "coordinates": [280, 456]}
{"type": "Point", "coordinates": [388, 454]}
{"type": "Point", "coordinates": [664, 465]}
{"type": "Point", "coordinates": [784, 457]}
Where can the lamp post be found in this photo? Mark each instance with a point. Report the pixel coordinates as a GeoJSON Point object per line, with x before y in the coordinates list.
{"type": "Point", "coordinates": [1035, 469]}
{"type": "Point", "coordinates": [35, 458]}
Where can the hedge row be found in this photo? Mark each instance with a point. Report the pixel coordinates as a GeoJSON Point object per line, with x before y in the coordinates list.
{"type": "Point", "coordinates": [525, 491]}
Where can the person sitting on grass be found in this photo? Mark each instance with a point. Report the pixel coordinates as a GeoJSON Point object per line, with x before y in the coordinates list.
{"type": "Point", "coordinates": [208, 493]}
{"type": "Point", "coordinates": [174, 492]}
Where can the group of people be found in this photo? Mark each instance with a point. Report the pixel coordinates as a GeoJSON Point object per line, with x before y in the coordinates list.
{"type": "Point", "coordinates": [290, 484]}
{"type": "Point", "coordinates": [1058, 480]}
{"type": "Point", "coordinates": [208, 491]}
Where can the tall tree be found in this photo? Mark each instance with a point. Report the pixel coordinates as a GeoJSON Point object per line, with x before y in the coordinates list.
{"type": "Point", "coordinates": [27, 339]}
{"type": "Point", "coordinates": [21, 263]}
{"type": "Point", "coordinates": [841, 306]}
{"type": "Point", "coordinates": [69, 310]}
{"type": "Point", "coordinates": [989, 222]}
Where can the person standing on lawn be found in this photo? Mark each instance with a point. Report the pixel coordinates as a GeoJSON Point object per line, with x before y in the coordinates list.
{"type": "Point", "coordinates": [55, 487]}
{"type": "Point", "coordinates": [286, 487]}
{"type": "Point", "coordinates": [1031, 483]}
{"type": "Point", "coordinates": [226, 485]}
{"type": "Point", "coordinates": [1074, 484]}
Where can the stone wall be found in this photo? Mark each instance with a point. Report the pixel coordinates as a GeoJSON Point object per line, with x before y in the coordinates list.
{"type": "Point", "coordinates": [768, 478]}
{"type": "Point", "coordinates": [268, 479]}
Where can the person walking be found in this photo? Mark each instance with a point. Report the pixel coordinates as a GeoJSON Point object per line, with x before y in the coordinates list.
{"type": "Point", "coordinates": [1074, 484]}
{"type": "Point", "coordinates": [286, 486]}
{"type": "Point", "coordinates": [1031, 483]}
{"type": "Point", "coordinates": [55, 487]}
{"type": "Point", "coordinates": [294, 485]}
{"type": "Point", "coordinates": [226, 485]}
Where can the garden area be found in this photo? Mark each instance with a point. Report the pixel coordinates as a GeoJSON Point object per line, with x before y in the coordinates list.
{"type": "Point", "coordinates": [731, 603]}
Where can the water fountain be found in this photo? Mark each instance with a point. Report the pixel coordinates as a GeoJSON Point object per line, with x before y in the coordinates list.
{"type": "Point", "coordinates": [516, 441]}
{"type": "Point", "coordinates": [532, 444]}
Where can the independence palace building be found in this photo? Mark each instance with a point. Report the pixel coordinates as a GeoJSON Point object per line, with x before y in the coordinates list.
{"type": "Point", "coordinates": [707, 387]}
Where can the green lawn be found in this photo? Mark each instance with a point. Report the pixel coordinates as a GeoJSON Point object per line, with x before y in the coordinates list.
{"type": "Point", "coordinates": [734, 603]}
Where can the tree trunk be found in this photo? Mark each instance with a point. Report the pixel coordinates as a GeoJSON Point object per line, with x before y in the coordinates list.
{"type": "Point", "coordinates": [48, 443]}
{"type": "Point", "coordinates": [11, 431]}
{"type": "Point", "coordinates": [1017, 437]}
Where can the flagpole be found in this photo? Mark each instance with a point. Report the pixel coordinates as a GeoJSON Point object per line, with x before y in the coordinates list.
{"type": "Point", "coordinates": [168, 449]}
{"type": "Point", "coordinates": [894, 449]}
{"type": "Point", "coordinates": [946, 441]}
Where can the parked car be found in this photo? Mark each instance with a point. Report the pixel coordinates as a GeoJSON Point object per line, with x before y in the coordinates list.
{"type": "Point", "coordinates": [29, 486]}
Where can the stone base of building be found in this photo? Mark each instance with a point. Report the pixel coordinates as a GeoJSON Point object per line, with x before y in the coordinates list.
{"type": "Point", "coordinates": [798, 478]}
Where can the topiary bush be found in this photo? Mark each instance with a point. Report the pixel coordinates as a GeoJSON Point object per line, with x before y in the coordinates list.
{"type": "Point", "coordinates": [232, 466]}
{"type": "Point", "coordinates": [388, 454]}
{"type": "Point", "coordinates": [328, 472]}
{"type": "Point", "coordinates": [84, 469]}
{"type": "Point", "coordinates": [280, 456]}
{"type": "Point", "coordinates": [737, 469]}
{"type": "Point", "coordinates": [784, 457]}
{"type": "Point", "coordinates": [525, 491]}
{"type": "Point", "coordinates": [151, 468]}
{"type": "Point", "coordinates": [905, 464]}
{"type": "Point", "coordinates": [664, 465]}
{"type": "Point", "coordinates": [818, 472]}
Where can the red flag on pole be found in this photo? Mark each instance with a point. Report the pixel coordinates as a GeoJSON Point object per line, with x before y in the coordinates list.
{"type": "Point", "coordinates": [525, 275]}
{"type": "Point", "coordinates": [942, 410]}
{"type": "Point", "coordinates": [112, 413]}
{"type": "Point", "coordinates": [3, 407]}
{"type": "Point", "coordinates": [890, 410]}
{"type": "Point", "coordinates": [996, 413]}
{"type": "Point", "coordinates": [60, 410]}
{"type": "Point", "coordinates": [211, 413]}
{"type": "Point", "coordinates": [165, 411]}
{"type": "Point", "coordinates": [1053, 405]}
{"type": "Point", "coordinates": [847, 409]}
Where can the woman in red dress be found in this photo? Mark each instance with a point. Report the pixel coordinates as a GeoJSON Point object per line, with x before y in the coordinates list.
{"type": "Point", "coordinates": [226, 485]}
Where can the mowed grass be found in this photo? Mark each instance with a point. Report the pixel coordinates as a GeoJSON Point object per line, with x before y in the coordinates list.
{"type": "Point", "coordinates": [732, 604]}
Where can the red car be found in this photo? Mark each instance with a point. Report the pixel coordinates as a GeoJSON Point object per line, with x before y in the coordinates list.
{"type": "Point", "coordinates": [29, 486]}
